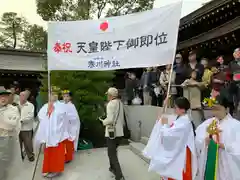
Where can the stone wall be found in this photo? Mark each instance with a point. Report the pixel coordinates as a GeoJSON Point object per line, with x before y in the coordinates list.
{"type": "Point", "coordinates": [141, 119]}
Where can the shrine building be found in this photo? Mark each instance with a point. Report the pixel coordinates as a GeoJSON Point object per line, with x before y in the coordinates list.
{"type": "Point", "coordinates": [22, 66]}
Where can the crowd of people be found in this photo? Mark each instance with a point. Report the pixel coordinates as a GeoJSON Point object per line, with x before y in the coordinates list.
{"type": "Point", "coordinates": [208, 76]}
{"type": "Point", "coordinates": [17, 119]}
{"type": "Point", "coordinates": [179, 151]}
{"type": "Point", "coordinates": [59, 136]}
{"type": "Point", "coordinates": [220, 82]}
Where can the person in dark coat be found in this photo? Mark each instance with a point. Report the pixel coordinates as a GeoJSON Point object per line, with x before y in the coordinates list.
{"type": "Point", "coordinates": [131, 85]}
{"type": "Point", "coordinates": [154, 81]}
{"type": "Point", "coordinates": [195, 65]}
{"type": "Point", "coordinates": [181, 73]}
{"type": "Point", "coordinates": [234, 69]}
{"type": "Point", "coordinates": [146, 86]}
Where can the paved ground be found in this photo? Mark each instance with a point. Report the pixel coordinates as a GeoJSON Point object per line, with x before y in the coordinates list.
{"type": "Point", "coordinates": [90, 165]}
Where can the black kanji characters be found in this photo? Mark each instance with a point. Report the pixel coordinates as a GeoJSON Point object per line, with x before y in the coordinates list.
{"type": "Point", "coordinates": [160, 38]}
{"type": "Point", "coordinates": [93, 47]}
{"type": "Point", "coordinates": [81, 47]}
{"type": "Point", "coordinates": [146, 40]}
{"type": "Point", "coordinates": [91, 64]}
{"type": "Point", "coordinates": [119, 43]}
{"type": "Point", "coordinates": [132, 42]}
{"type": "Point", "coordinates": [105, 45]}
{"type": "Point", "coordinates": [107, 64]}
{"type": "Point", "coordinates": [115, 63]}
{"type": "Point", "coordinates": [99, 64]}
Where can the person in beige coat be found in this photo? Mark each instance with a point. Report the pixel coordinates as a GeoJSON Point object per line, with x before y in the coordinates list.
{"type": "Point", "coordinates": [114, 123]}
{"type": "Point", "coordinates": [9, 129]}
{"type": "Point", "coordinates": [27, 119]}
{"type": "Point", "coordinates": [164, 80]}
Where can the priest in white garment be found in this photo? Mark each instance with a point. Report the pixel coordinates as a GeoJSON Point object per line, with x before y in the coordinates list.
{"type": "Point", "coordinates": [218, 143]}
{"type": "Point", "coordinates": [171, 146]}
{"type": "Point", "coordinates": [73, 121]}
{"type": "Point", "coordinates": [52, 133]}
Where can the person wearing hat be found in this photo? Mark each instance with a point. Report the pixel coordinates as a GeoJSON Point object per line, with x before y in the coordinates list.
{"type": "Point", "coordinates": [52, 133]}
{"type": "Point", "coordinates": [9, 130]}
{"type": "Point", "coordinates": [114, 123]}
{"type": "Point", "coordinates": [73, 125]}
{"type": "Point", "coordinates": [217, 142]}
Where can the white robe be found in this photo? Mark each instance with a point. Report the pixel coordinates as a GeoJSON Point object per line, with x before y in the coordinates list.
{"type": "Point", "coordinates": [73, 123]}
{"type": "Point", "coordinates": [229, 159]}
{"type": "Point", "coordinates": [167, 148]}
{"type": "Point", "coordinates": [52, 130]}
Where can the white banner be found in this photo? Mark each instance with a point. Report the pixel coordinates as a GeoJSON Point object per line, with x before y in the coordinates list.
{"type": "Point", "coordinates": [144, 39]}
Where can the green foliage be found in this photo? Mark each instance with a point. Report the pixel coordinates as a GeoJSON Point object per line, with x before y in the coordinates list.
{"type": "Point", "coordinates": [63, 10]}
{"type": "Point", "coordinates": [88, 89]}
{"type": "Point", "coordinates": [16, 32]}
{"type": "Point", "coordinates": [12, 27]}
{"type": "Point", "coordinates": [123, 7]}
{"type": "Point", "coordinates": [35, 38]}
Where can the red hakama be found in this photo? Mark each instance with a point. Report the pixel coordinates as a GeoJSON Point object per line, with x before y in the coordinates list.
{"type": "Point", "coordinates": [54, 159]}
{"type": "Point", "coordinates": [187, 174]}
{"type": "Point", "coordinates": [69, 150]}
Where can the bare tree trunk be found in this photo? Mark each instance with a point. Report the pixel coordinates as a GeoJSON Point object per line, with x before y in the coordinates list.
{"type": "Point", "coordinates": [88, 3]}
{"type": "Point", "coordinates": [14, 36]}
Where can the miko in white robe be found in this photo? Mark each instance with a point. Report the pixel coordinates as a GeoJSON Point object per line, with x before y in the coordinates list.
{"type": "Point", "coordinates": [73, 123]}
{"type": "Point", "coordinates": [170, 155]}
{"type": "Point", "coordinates": [51, 132]}
{"type": "Point", "coordinates": [171, 147]}
{"type": "Point", "coordinates": [228, 167]}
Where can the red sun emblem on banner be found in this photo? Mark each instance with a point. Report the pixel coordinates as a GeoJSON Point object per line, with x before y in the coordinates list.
{"type": "Point", "coordinates": [104, 26]}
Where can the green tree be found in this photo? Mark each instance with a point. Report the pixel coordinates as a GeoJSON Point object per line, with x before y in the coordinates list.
{"type": "Point", "coordinates": [88, 95]}
{"type": "Point", "coordinates": [11, 29]}
{"type": "Point", "coordinates": [35, 38]}
{"type": "Point", "coordinates": [63, 10]}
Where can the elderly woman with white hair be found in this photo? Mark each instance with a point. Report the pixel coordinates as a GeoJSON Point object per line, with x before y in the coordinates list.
{"type": "Point", "coordinates": [114, 123]}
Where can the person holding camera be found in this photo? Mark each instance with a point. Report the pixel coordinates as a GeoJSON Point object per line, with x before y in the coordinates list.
{"type": "Point", "coordinates": [114, 131]}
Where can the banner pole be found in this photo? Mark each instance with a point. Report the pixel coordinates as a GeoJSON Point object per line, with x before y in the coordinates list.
{"type": "Point", "coordinates": [165, 105]}
{"type": "Point", "coordinates": [41, 146]}
{"type": "Point", "coordinates": [49, 85]}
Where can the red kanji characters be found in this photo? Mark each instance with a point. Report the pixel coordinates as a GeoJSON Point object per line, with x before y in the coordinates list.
{"type": "Point", "coordinates": [67, 47]}
{"type": "Point", "coordinates": [57, 47]}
